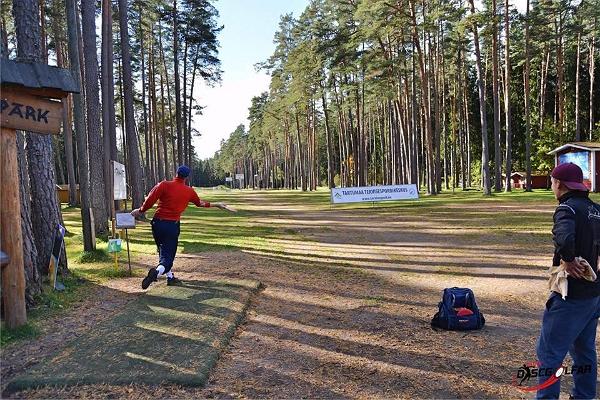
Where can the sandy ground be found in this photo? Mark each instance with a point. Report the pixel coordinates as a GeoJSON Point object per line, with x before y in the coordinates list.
{"type": "Point", "coordinates": [346, 309]}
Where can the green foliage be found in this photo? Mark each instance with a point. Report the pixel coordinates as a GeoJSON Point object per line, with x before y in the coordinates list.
{"type": "Point", "coordinates": [549, 137]}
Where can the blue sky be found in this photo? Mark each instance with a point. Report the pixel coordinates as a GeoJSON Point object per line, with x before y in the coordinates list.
{"type": "Point", "coordinates": [246, 39]}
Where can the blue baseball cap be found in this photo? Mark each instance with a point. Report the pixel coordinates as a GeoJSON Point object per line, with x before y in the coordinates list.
{"type": "Point", "coordinates": [183, 171]}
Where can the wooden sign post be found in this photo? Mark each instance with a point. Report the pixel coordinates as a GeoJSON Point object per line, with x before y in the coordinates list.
{"type": "Point", "coordinates": [28, 102]}
{"type": "Point", "coordinates": [13, 274]}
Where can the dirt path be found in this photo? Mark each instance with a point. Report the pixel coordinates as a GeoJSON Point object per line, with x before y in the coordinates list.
{"type": "Point", "coordinates": [347, 302]}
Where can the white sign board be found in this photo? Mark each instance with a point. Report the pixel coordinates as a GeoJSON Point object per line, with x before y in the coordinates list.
{"type": "Point", "coordinates": [228, 179]}
{"type": "Point", "coordinates": [119, 183]}
{"type": "Point", "coordinates": [373, 193]}
{"type": "Point", "coordinates": [239, 177]}
{"type": "Point", "coordinates": [125, 221]}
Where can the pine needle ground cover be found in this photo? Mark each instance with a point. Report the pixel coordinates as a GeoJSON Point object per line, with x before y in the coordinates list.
{"type": "Point", "coordinates": [169, 335]}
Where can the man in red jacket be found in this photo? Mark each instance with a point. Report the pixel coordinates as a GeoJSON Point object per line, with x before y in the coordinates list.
{"type": "Point", "coordinates": [173, 198]}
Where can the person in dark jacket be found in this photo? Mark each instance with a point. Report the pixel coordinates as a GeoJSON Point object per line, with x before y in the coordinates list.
{"type": "Point", "coordinates": [569, 326]}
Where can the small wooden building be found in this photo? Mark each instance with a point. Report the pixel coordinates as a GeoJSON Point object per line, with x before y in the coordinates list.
{"type": "Point", "coordinates": [584, 154]}
{"type": "Point", "coordinates": [63, 193]}
{"type": "Point", "coordinates": [539, 180]}
{"type": "Point", "coordinates": [517, 180]}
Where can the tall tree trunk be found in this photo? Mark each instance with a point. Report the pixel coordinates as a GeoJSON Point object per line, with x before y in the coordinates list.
{"type": "Point", "coordinates": [527, 105]}
{"type": "Point", "coordinates": [591, 72]}
{"type": "Point", "coordinates": [577, 124]}
{"type": "Point", "coordinates": [82, 88]}
{"type": "Point", "coordinates": [33, 276]}
{"type": "Point", "coordinates": [95, 143]}
{"type": "Point", "coordinates": [545, 64]}
{"type": "Point", "coordinates": [112, 117]}
{"type": "Point", "coordinates": [151, 151]}
{"type": "Point", "coordinates": [68, 137]}
{"type": "Point", "coordinates": [177, 86]}
{"type": "Point", "coordinates": [40, 156]}
{"type": "Point", "coordinates": [170, 170]}
{"type": "Point", "coordinates": [149, 182]}
{"type": "Point", "coordinates": [66, 111]}
{"type": "Point", "coordinates": [485, 166]}
{"type": "Point", "coordinates": [425, 102]}
{"type": "Point", "coordinates": [330, 171]}
{"type": "Point", "coordinates": [184, 110]}
{"type": "Point", "coordinates": [134, 167]}
{"type": "Point", "coordinates": [495, 96]}
{"type": "Point", "coordinates": [158, 129]}
{"type": "Point", "coordinates": [42, 20]}
{"type": "Point", "coordinates": [508, 118]}
{"type": "Point", "coordinates": [413, 111]}
{"type": "Point", "coordinates": [79, 118]}
{"type": "Point", "coordinates": [189, 108]}
{"type": "Point", "coordinates": [163, 131]}
{"type": "Point", "coordinates": [560, 72]}
{"type": "Point", "coordinates": [467, 127]}
{"type": "Point", "coordinates": [108, 103]}
{"type": "Point", "coordinates": [60, 171]}
{"type": "Point", "coordinates": [300, 153]}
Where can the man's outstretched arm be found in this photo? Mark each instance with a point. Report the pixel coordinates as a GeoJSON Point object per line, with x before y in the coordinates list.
{"type": "Point", "coordinates": [152, 198]}
{"type": "Point", "coordinates": [200, 203]}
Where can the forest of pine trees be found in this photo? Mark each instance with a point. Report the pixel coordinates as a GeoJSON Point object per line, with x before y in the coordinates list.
{"type": "Point", "coordinates": [442, 93]}
{"type": "Point", "coordinates": [137, 71]}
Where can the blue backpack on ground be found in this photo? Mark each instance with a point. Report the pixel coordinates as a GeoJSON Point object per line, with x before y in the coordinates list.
{"type": "Point", "coordinates": [453, 299]}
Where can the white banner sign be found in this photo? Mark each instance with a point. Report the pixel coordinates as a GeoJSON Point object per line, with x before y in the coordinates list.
{"type": "Point", "coordinates": [373, 193]}
{"type": "Point", "coordinates": [228, 179]}
{"type": "Point", "coordinates": [239, 176]}
{"type": "Point", "coordinates": [119, 184]}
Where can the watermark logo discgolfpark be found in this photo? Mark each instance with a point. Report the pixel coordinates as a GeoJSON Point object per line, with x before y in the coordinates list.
{"type": "Point", "coordinates": [534, 370]}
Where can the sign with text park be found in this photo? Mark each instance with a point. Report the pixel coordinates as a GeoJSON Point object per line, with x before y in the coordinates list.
{"type": "Point", "coordinates": [22, 111]}
{"type": "Point", "coordinates": [373, 193]}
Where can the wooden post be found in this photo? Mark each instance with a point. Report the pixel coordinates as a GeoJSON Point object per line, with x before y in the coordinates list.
{"type": "Point", "coordinates": [13, 275]}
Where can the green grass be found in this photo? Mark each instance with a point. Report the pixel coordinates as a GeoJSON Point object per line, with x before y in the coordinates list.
{"type": "Point", "coordinates": [253, 230]}
{"type": "Point", "coordinates": [94, 256]}
{"type": "Point", "coordinates": [27, 331]}
{"type": "Point", "coordinates": [250, 229]}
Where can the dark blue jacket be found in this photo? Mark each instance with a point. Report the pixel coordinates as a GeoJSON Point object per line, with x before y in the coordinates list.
{"type": "Point", "coordinates": [577, 234]}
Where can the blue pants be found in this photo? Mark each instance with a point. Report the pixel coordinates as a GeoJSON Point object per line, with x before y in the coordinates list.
{"type": "Point", "coordinates": [166, 236]}
{"type": "Point", "coordinates": [569, 326]}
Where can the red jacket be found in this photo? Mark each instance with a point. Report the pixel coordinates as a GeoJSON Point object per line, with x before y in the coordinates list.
{"type": "Point", "coordinates": [173, 198]}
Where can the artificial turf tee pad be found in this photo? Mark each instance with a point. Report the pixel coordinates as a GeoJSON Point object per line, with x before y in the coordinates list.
{"type": "Point", "coordinates": [171, 334]}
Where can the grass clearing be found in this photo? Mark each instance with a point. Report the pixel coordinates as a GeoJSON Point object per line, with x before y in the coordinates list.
{"type": "Point", "coordinates": [282, 224]}
{"type": "Point", "coordinates": [346, 288]}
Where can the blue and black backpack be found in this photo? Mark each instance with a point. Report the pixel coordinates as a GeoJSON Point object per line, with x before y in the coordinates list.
{"type": "Point", "coordinates": [447, 318]}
